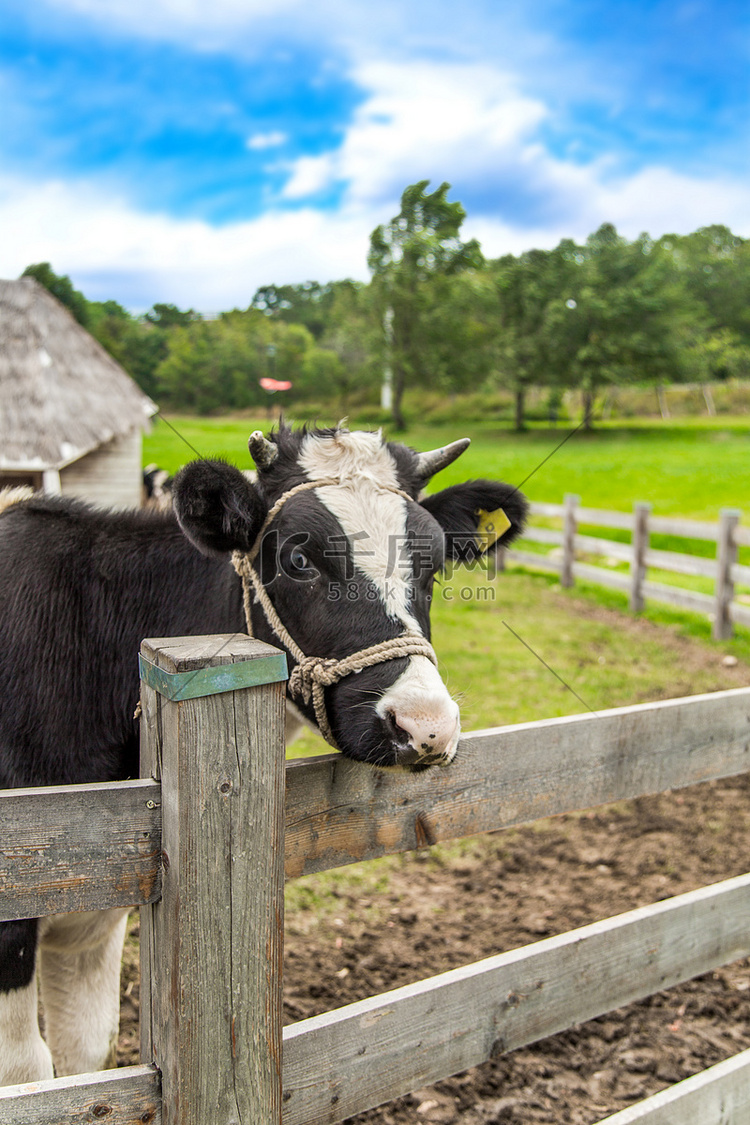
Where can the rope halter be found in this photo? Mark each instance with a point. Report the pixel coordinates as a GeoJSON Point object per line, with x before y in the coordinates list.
{"type": "Point", "coordinates": [313, 674]}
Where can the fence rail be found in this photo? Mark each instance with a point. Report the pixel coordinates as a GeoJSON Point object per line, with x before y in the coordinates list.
{"type": "Point", "coordinates": [119, 1097]}
{"type": "Point", "coordinates": [80, 847]}
{"type": "Point", "coordinates": [338, 813]}
{"type": "Point", "coordinates": [725, 570]}
{"type": "Point", "coordinates": [380, 1048]}
{"type": "Point", "coordinates": [213, 1050]}
{"type": "Point", "coordinates": [720, 1094]}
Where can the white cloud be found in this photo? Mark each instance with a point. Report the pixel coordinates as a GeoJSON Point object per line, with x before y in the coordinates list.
{"type": "Point", "coordinates": [395, 29]}
{"type": "Point", "coordinates": [655, 200]}
{"type": "Point", "coordinates": [112, 250]}
{"type": "Point", "coordinates": [242, 26]}
{"type": "Point", "coordinates": [176, 20]}
{"type": "Point", "coordinates": [469, 125]}
{"type": "Point", "coordinates": [310, 175]}
{"type": "Point", "coordinates": [420, 118]}
{"type": "Point", "coordinates": [660, 200]}
{"type": "Point", "coordinates": [260, 141]}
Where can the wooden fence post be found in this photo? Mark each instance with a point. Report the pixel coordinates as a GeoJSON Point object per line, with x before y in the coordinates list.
{"type": "Point", "coordinates": [638, 561]}
{"type": "Point", "coordinates": [726, 557]}
{"type": "Point", "coordinates": [212, 729]}
{"type": "Point", "coordinates": [708, 398]}
{"type": "Point", "coordinates": [570, 524]}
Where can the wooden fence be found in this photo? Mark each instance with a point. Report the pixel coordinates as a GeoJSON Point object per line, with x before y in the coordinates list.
{"type": "Point", "coordinates": [724, 569]}
{"type": "Point", "coordinates": [203, 843]}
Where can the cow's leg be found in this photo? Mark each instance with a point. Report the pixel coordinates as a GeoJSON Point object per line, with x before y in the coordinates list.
{"type": "Point", "coordinates": [24, 1056]}
{"type": "Point", "coordinates": [80, 982]}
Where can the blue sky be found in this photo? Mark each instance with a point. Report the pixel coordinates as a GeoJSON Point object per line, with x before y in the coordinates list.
{"type": "Point", "coordinates": [180, 151]}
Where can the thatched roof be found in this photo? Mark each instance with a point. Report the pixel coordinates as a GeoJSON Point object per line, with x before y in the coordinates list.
{"type": "Point", "coordinates": [61, 393]}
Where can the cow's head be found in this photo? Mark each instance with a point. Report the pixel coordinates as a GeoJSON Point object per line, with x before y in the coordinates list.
{"type": "Point", "coordinates": [351, 563]}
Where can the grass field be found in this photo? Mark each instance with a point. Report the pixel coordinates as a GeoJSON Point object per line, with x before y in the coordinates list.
{"type": "Point", "coordinates": [607, 660]}
{"type": "Point", "coordinates": [690, 468]}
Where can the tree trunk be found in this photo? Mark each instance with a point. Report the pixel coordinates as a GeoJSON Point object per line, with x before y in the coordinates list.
{"type": "Point", "coordinates": [588, 409]}
{"type": "Point", "coordinates": [399, 381]}
{"type": "Point", "coordinates": [520, 423]}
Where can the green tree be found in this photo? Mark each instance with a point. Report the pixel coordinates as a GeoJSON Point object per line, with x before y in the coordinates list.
{"type": "Point", "coordinates": [620, 317]}
{"type": "Point", "coordinates": [354, 337]}
{"type": "Point", "coordinates": [134, 342]}
{"type": "Point", "coordinates": [216, 365]}
{"type": "Point", "coordinates": [324, 377]}
{"type": "Point", "coordinates": [714, 266]}
{"type": "Point", "coordinates": [419, 244]}
{"type": "Point", "coordinates": [308, 304]}
{"type": "Point", "coordinates": [61, 287]}
{"type": "Point", "coordinates": [525, 287]}
{"type": "Point", "coordinates": [170, 316]}
{"type": "Point", "coordinates": [193, 375]}
{"type": "Point", "coordinates": [718, 354]}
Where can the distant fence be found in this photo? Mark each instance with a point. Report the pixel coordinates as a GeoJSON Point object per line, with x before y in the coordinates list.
{"type": "Point", "coordinates": [724, 569]}
{"type": "Point", "coordinates": [202, 849]}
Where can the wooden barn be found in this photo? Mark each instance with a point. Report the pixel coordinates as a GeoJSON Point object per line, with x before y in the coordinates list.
{"type": "Point", "coordinates": [71, 419]}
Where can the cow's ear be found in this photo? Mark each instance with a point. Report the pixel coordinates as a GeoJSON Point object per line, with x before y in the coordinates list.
{"type": "Point", "coordinates": [218, 508]}
{"type": "Point", "coordinates": [476, 515]}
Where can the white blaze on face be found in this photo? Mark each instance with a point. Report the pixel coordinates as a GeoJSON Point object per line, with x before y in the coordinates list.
{"type": "Point", "coordinates": [374, 522]}
{"type": "Point", "coordinates": [372, 519]}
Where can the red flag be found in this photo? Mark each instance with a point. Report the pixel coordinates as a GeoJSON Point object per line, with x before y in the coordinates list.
{"type": "Point", "coordinates": [275, 384]}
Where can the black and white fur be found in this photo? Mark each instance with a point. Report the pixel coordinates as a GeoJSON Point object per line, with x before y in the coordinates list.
{"type": "Point", "coordinates": [80, 588]}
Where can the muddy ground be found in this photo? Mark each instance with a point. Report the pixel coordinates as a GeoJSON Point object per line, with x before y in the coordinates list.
{"type": "Point", "coordinates": [514, 888]}
{"type": "Point", "coordinates": [431, 911]}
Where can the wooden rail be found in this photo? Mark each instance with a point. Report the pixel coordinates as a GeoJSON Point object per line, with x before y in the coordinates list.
{"type": "Point", "coordinates": [126, 1096]}
{"type": "Point", "coordinates": [720, 1094]}
{"type": "Point", "coordinates": [79, 847]}
{"type": "Point", "coordinates": [211, 930]}
{"type": "Point", "coordinates": [338, 812]}
{"type": "Point", "coordinates": [725, 571]}
{"type": "Point", "coordinates": [377, 1049]}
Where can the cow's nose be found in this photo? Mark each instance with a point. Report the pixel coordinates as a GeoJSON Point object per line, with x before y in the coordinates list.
{"type": "Point", "coordinates": [425, 740]}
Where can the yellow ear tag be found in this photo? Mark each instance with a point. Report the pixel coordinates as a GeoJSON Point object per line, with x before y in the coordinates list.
{"type": "Point", "coordinates": [490, 527]}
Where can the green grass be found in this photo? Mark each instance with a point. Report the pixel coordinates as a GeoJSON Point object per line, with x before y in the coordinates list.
{"type": "Point", "coordinates": [681, 470]}
{"type": "Point", "coordinates": [689, 468]}
{"type": "Point", "coordinates": [181, 438]}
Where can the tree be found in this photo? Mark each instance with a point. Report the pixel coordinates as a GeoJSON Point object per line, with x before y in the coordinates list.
{"type": "Point", "coordinates": [714, 266]}
{"type": "Point", "coordinates": [198, 371]}
{"type": "Point", "coordinates": [525, 287]}
{"type": "Point", "coordinates": [620, 317]}
{"type": "Point", "coordinates": [307, 304]}
{"type": "Point", "coordinates": [134, 342]}
{"type": "Point", "coordinates": [60, 286]}
{"type": "Point", "coordinates": [170, 316]}
{"type": "Point", "coordinates": [352, 336]}
{"type": "Point", "coordinates": [419, 245]}
{"type": "Point", "coordinates": [216, 365]}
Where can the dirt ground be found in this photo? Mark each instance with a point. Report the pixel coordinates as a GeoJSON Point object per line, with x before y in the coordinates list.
{"type": "Point", "coordinates": [431, 911]}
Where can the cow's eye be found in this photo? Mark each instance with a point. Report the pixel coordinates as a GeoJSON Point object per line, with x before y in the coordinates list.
{"type": "Point", "coordinates": [299, 559]}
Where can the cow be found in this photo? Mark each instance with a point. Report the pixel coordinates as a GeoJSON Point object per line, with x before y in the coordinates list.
{"type": "Point", "coordinates": [332, 551]}
{"type": "Point", "coordinates": [157, 488]}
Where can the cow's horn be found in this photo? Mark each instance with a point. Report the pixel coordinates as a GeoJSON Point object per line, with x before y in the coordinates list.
{"type": "Point", "coordinates": [262, 451]}
{"type": "Point", "coordinates": [436, 459]}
